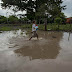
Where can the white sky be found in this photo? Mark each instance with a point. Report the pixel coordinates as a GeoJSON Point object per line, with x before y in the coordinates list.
{"type": "Point", "coordinates": [7, 12]}
{"type": "Point", "coordinates": [68, 11]}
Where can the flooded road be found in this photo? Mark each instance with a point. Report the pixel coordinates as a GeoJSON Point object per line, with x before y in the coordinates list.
{"type": "Point", "coordinates": [51, 53]}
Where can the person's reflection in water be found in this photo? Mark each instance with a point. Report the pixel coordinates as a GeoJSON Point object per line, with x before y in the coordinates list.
{"type": "Point", "coordinates": [43, 49]}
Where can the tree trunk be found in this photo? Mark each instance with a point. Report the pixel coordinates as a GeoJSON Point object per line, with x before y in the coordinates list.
{"type": "Point", "coordinates": [46, 24]}
{"type": "Point", "coordinates": [58, 27]}
{"type": "Point", "coordinates": [39, 22]}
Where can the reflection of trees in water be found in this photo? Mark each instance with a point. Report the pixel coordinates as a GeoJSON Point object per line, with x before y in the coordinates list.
{"type": "Point", "coordinates": [69, 36]}
{"type": "Point", "coordinates": [46, 50]}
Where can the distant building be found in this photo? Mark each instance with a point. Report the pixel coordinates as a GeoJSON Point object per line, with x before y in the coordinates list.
{"type": "Point", "coordinates": [69, 20]}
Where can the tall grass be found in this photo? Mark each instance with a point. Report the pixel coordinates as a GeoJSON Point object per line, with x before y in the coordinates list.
{"type": "Point", "coordinates": [53, 27]}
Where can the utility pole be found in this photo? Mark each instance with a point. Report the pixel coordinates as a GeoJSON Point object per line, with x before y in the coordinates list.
{"type": "Point", "coordinates": [7, 17]}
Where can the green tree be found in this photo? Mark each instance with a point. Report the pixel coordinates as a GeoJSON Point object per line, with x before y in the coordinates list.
{"type": "Point", "coordinates": [37, 9]}
{"type": "Point", "coordinates": [58, 21]}
{"type": "Point", "coordinates": [52, 6]}
{"type": "Point", "coordinates": [3, 19]}
{"type": "Point", "coordinates": [51, 9]}
{"type": "Point", "coordinates": [12, 19]}
{"type": "Point", "coordinates": [24, 20]}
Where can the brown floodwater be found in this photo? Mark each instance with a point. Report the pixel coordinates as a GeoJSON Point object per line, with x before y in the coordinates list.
{"type": "Point", "coordinates": [52, 52]}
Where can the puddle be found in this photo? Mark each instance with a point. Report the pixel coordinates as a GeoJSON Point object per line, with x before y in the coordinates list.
{"type": "Point", "coordinates": [6, 36]}
{"type": "Point", "coordinates": [66, 47]}
{"type": "Point", "coordinates": [51, 53]}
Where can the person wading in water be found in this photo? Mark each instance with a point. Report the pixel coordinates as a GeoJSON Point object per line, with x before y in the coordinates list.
{"type": "Point", "coordinates": [34, 31]}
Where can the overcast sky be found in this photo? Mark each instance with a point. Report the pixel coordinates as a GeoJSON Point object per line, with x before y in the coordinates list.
{"type": "Point", "coordinates": [67, 12]}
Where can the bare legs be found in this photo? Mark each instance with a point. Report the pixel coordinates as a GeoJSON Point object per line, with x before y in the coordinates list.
{"type": "Point", "coordinates": [34, 35]}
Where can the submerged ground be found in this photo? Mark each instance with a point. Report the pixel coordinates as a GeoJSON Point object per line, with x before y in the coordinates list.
{"type": "Point", "coordinates": [51, 53]}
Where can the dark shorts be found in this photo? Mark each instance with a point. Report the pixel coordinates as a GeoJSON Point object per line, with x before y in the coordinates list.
{"type": "Point", "coordinates": [34, 34]}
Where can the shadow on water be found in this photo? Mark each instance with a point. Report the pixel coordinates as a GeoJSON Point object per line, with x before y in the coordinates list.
{"type": "Point", "coordinates": [47, 48]}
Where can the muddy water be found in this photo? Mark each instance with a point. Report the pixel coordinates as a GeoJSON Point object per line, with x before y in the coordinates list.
{"type": "Point", "coordinates": [51, 53]}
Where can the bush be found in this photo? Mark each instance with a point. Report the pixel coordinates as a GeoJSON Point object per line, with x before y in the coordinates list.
{"type": "Point", "coordinates": [58, 20]}
{"type": "Point", "coordinates": [5, 29]}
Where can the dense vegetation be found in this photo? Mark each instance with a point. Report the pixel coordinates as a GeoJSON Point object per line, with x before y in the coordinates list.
{"type": "Point", "coordinates": [40, 10]}
{"type": "Point", "coordinates": [47, 13]}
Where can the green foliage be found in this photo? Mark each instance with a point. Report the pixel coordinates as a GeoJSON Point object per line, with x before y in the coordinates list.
{"type": "Point", "coordinates": [26, 26]}
{"type": "Point", "coordinates": [5, 28]}
{"type": "Point", "coordinates": [35, 8]}
{"type": "Point", "coordinates": [12, 19]}
{"type": "Point", "coordinates": [58, 20]}
{"type": "Point", "coordinates": [41, 27]}
{"type": "Point", "coordinates": [52, 7]}
{"type": "Point", "coordinates": [3, 19]}
{"type": "Point", "coordinates": [54, 27]}
{"type": "Point", "coordinates": [25, 19]}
